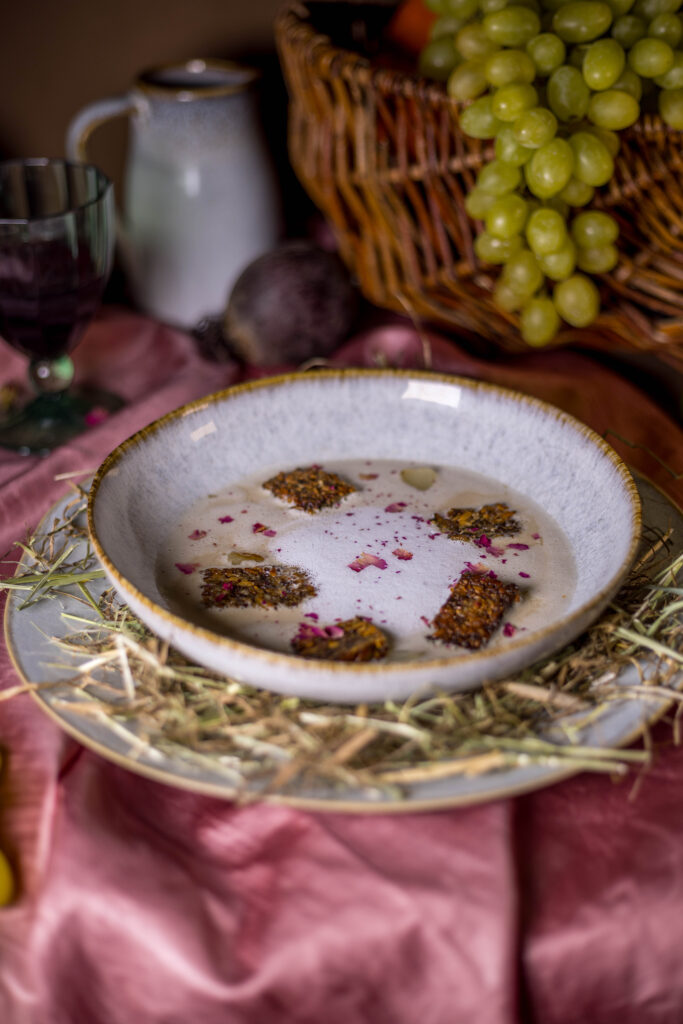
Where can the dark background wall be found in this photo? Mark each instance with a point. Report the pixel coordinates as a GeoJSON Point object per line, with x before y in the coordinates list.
{"type": "Point", "coordinates": [56, 56]}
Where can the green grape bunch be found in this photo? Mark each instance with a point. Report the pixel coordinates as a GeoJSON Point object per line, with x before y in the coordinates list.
{"type": "Point", "coordinates": [553, 82]}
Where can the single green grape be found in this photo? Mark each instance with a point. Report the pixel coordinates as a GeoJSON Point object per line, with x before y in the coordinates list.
{"type": "Point", "coordinates": [609, 139]}
{"type": "Point", "coordinates": [628, 29]}
{"type": "Point", "coordinates": [477, 202]}
{"type": "Point", "coordinates": [592, 162]}
{"type": "Point", "coordinates": [561, 264]}
{"type": "Point", "coordinates": [620, 7]}
{"type": "Point", "coordinates": [581, 21]}
{"type": "Point", "coordinates": [603, 64]}
{"type": "Point", "coordinates": [629, 82]}
{"type": "Point", "coordinates": [507, 66]}
{"type": "Point", "coordinates": [535, 127]}
{"type": "Point", "coordinates": [499, 178]}
{"type": "Point", "coordinates": [667, 27]}
{"type": "Point", "coordinates": [671, 107]}
{"type": "Point", "coordinates": [577, 193]}
{"type": "Point", "coordinates": [472, 42]}
{"type": "Point", "coordinates": [568, 94]}
{"type": "Point", "coordinates": [613, 109]}
{"type": "Point", "coordinates": [478, 120]}
{"type": "Point", "coordinates": [506, 298]}
{"type": "Point", "coordinates": [546, 231]}
{"type": "Point", "coordinates": [507, 216]}
{"type": "Point", "coordinates": [467, 81]}
{"type": "Point", "coordinates": [489, 249]}
{"type": "Point", "coordinates": [490, 6]}
{"type": "Point", "coordinates": [539, 321]}
{"type": "Point", "coordinates": [650, 58]}
{"type": "Point", "coordinates": [547, 51]}
{"type": "Point", "coordinates": [446, 25]}
{"type": "Point", "coordinates": [599, 260]}
{"type": "Point", "coordinates": [649, 9]}
{"type": "Point", "coordinates": [464, 9]}
{"type": "Point", "coordinates": [593, 229]}
{"type": "Point", "coordinates": [508, 149]}
{"type": "Point", "coordinates": [513, 26]}
{"type": "Point", "coordinates": [438, 58]}
{"type": "Point", "coordinates": [577, 300]}
{"type": "Point", "coordinates": [523, 274]}
{"type": "Point", "coordinates": [550, 168]}
{"type": "Point", "coordinates": [510, 101]}
{"type": "Point", "coordinates": [673, 79]}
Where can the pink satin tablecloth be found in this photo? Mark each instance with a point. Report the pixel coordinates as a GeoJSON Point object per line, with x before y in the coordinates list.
{"type": "Point", "coordinates": [142, 904]}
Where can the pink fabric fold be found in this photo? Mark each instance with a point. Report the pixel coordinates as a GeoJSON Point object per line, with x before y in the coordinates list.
{"type": "Point", "coordinates": [139, 902]}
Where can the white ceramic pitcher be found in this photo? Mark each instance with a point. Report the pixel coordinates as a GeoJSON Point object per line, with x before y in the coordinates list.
{"type": "Point", "coordinates": [201, 200]}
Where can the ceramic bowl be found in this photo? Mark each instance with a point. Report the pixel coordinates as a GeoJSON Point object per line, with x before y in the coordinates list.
{"type": "Point", "coordinates": [185, 494]}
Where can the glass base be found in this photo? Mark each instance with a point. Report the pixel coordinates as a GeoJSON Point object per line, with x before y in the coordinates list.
{"type": "Point", "coordinates": [51, 420]}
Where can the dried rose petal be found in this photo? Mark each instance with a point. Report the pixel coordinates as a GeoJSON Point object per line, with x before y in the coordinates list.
{"type": "Point", "coordinates": [196, 535]}
{"type": "Point", "coordinates": [525, 575]}
{"type": "Point", "coordinates": [368, 476]}
{"type": "Point", "coordinates": [419, 477]}
{"type": "Point", "coordinates": [518, 547]}
{"type": "Point", "coordinates": [225, 519]}
{"type": "Point", "coordinates": [95, 416]}
{"type": "Point", "coordinates": [476, 567]}
{"type": "Point", "coordinates": [509, 629]}
{"type": "Point", "coordinates": [397, 506]}
{"type": "Point", "coordinates": [401, 553]}
{"type": "Point", "coordinates": [491, 548]}
{"type": "Point", "coordinates": [334, 631]}
{"type": "Point", "coordinates": [270, 533]}
{"type": "Point", "coordinates": [187, 567]}
{"type": "Point", "coordinates": [363, 560]}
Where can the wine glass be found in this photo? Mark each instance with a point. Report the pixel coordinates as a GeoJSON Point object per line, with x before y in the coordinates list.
{"type": "Point", "coordinates": [56, 253]}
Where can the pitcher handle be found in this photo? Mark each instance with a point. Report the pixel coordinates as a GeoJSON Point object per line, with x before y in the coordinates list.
{"type": "Point", "coordinates": [89, 118]}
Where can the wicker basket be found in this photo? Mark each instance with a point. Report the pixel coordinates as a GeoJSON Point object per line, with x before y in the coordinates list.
{"type": "Point", "coordinates": [381, 154]}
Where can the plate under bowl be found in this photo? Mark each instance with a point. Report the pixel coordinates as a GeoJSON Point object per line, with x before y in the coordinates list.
{"type": "Point", "coordinates": [151, 482]}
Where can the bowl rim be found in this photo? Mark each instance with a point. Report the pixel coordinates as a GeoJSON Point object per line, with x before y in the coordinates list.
{"type": "Point", "coordinates": [311, 666]}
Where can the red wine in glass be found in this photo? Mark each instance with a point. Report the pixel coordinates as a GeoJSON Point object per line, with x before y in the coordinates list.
{"type": "Point", "coordinates": [56, 250]}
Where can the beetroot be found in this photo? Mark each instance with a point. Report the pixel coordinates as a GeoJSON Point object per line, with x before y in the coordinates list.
{"type": "Point", "coordinates": [294, 302]}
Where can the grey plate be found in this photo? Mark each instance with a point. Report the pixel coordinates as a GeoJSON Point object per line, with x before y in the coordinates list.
{"type": "Point", "coordinates": [34, 658]}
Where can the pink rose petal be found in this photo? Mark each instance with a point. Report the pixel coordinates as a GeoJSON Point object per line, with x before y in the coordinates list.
{"type": "Point", "coordinates": [401, 553]}
{"type": "Point", "coordinates": [95, 416]}
{"type": "Point", "coordinates": [509, 629]}
{"type": "Point", "coordinates": [196, 535]}
{"type": "Point", "coordinates": [363, 560]}
{"type": "Point", "coordinates": [396, 506]}
{"type": "Point", "coordinates": [187, 567]}
{"type": "Point", "coordinates": [225, 519]}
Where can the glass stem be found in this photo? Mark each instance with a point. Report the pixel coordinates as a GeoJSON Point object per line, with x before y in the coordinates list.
{"type": "Point", "coordinates": [51, 376]}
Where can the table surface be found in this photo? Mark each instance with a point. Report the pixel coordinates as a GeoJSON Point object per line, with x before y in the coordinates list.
{"type": "Point", "coordinates": [140, 902]}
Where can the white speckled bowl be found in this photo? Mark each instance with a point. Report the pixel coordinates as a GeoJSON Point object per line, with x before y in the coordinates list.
{"type": "Point", "coordinates": [149, 484]}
